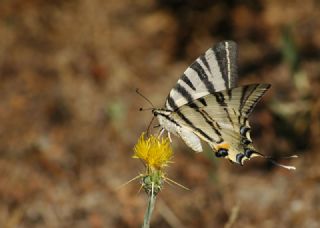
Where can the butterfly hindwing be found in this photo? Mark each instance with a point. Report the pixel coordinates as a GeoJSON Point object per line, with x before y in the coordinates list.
{"type": "Point", "coordinates": [215, 70]}
{"type": "Point", "coordinates": [221, 119]}
{"type": "Point", "coordinates": [190, 138]}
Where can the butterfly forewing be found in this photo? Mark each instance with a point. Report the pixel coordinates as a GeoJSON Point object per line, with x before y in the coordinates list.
{"type": "Point", "coordinates": [215, 70]}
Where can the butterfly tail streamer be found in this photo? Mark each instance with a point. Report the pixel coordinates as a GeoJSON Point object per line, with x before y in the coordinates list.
{"type": "Point", "coordinates": [281, 165]}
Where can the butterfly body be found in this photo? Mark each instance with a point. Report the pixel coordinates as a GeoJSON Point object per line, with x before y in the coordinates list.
{"type": "Point", "coordinates": [166, 120]}
{"type": "Point", "coordinates": [206, 104]}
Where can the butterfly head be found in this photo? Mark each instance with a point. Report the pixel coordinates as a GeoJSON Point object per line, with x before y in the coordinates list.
{"type": "Point", "coordinates": [163, 117]}
{"type": "Point", "coordinates": [160, 112]}
{"type": "Point", "coordinates": [166, 120]}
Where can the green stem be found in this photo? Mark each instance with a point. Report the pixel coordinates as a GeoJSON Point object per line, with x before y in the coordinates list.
{"type": "Point", "coordinates": [147, 215]}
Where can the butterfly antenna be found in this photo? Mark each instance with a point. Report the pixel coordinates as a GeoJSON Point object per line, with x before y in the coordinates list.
{"type": "Point", "coordinates": [144, 97]}
{"type": "Point", "coordinates": [145, 109]}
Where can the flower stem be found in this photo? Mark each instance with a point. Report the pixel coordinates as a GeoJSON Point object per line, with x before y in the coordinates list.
{"type": "Point", "coordinates": [147, 215]}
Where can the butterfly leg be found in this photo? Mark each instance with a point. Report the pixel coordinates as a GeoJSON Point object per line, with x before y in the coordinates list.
{"type": "Point", "coordinates": [160, 132]}
{"type": "Point", "coordinates": [169, 136]}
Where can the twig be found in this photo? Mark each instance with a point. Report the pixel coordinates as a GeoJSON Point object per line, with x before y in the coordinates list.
{"type": "Point", "coordinates": [233, 216]}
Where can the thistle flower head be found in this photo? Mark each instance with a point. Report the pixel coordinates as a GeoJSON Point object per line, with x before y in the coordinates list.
{"type": "Point", "coordinates": [155, 152]}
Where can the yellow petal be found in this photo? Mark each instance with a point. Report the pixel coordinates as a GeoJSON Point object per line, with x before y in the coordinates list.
{"type": "Point", "coordinates": [155, 152]}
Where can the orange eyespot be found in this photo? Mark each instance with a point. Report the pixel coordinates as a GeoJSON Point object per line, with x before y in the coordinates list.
{"type": "Point", "coordinates": [223, 146]}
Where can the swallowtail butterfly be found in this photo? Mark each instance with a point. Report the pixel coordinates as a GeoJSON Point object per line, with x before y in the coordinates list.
{"type": "Point", "coordinates": [207, 104]}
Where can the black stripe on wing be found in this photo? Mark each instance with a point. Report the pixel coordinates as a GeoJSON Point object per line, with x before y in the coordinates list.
{"type": "Point", "coordinates": [191, 125]}
{"type": "Point", "coordinates": [226, 54]}
{"type": "Point", "coordinates": [205, 62]}
{"type": "Point", "coordinates": [220, 98]}
{"type": "Point", "coordinates": [256, 99]}
{"type": "Point", "coordinates": [203, 76]}
{"type": "Point", "coordinates": [171, 103]}
{"type": "Point", "coordinates": [250, 95]}
{"type": "Point", "coordinates": [184, 93]}
{"type": "Point", "coordinates": [228, 115]}
{"type": "Point", "coordinates": [188, 81]}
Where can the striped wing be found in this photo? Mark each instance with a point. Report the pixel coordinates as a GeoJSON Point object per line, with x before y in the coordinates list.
{"type": "Point", "coordinates": [221, 119]}
{"type": "Point", "coordinates": [215, 70]}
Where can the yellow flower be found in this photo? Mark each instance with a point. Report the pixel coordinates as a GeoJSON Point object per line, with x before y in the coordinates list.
{"type": "Point", "coordinates": [154, 152]}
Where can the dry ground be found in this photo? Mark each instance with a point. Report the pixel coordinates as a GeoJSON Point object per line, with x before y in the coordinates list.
{"type": "Point", "coordinates": [69, 113]}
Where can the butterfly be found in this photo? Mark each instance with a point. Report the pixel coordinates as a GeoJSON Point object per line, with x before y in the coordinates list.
{"type": "Point", "coordinates": [207, 104]}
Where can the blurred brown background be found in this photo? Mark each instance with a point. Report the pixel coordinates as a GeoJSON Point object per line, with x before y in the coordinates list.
{"type": "Point", "coordinates": [69, 112]}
